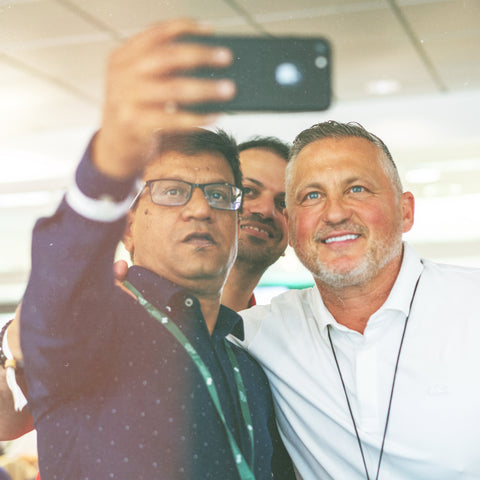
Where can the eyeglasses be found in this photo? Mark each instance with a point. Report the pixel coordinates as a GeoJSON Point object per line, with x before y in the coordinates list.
{"type": "Point", "coordinates": [171, 193]}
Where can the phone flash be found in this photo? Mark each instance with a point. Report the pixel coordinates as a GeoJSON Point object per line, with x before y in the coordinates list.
{"type": "Point", "coordinates": [287, 74]}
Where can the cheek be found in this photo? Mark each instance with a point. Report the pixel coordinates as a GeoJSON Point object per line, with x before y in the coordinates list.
{"type": "Point", "coordinates": [151, 229]}
{"type": "Point", "coordinates": [302, 225]}
{"type": "Point", "coordinates": [384, 220]}
{"type": "Point", "coordinates": [144, 223]}
{"type": "Point", "coordinates": [228, 227]}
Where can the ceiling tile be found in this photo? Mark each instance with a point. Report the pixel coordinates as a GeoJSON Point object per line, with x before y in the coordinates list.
{"type": "Point", "coordinates": [375, 48]}
{"type": "Point", "coordinates": [80, 66]}
{"type": "Point", "coordinates": [25, 24]}
{"type": "Point", "coordinates": [128, 16]}
{"type": "Point", "coordinates": [449, 33]}
{"type": "Point", "coordinates": [32, 105]}
{"type": "Point", "coordinates": [305, 8]}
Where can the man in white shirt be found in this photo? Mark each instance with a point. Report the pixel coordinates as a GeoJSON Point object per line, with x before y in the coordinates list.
{"type": "Point", "coordinates": [374, 369]}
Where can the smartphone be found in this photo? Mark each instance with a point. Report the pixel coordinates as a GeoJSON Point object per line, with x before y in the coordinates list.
{"type": "Point", "coordinates": [290, 74]}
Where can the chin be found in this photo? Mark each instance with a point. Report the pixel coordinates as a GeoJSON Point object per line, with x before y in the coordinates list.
{"type": "Point", "coordinates": [337, 279]}
{"type": "Point", "coordinates": [208, 272]}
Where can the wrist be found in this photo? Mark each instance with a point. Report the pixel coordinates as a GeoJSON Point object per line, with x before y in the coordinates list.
{"type": "Point", "coordinates": [9, 357]}
{"type": "Point", "coordinates": [13, 339]}
{"type": "Point", "coordinates": [113, 160]}
{"type": "Point", "coordinates": [12, 366]}
{"type": "Point", "coordinates": [97, 196]}
{"type": "Point", "coordinates": [3, 332]}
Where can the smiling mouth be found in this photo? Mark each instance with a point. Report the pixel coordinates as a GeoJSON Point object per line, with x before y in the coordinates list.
{"type": "Point", "coordinates": [255, 228]}
{"type": "Point", "coordinates": [341, 238]}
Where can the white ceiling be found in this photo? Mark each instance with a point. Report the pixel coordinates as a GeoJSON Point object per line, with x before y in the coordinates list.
{"type": "Point", "coordinates": [409, 70]}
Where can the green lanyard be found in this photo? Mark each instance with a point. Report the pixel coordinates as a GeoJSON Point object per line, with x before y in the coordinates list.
{"type": "Point", "coordinates": [244, 470]}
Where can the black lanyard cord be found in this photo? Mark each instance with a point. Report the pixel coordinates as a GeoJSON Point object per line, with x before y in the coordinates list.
{"type": "Point", "coordinates": [391, 391]}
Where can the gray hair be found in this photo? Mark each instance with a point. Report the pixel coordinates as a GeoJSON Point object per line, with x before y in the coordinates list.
{"type": "Point", "coordinates": [333, 129]}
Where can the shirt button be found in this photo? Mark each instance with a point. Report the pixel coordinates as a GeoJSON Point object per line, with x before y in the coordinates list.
{"type": "Point", "coordinates": [188, 302]}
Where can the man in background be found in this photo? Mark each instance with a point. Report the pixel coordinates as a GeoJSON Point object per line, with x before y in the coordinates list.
{"type": "Point", "coordinates": [262, 236]}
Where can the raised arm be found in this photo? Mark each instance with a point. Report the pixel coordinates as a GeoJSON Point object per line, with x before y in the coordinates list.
{"type": "Point", "coordinates": [66, 318]}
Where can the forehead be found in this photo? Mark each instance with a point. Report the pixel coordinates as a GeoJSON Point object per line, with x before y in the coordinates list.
{"type": "Point", "coordinates": [201, 167]}
{"type": "Point", "coordinates": [264, 166]}
{"type": "Point", "coordinates": [337, 155]}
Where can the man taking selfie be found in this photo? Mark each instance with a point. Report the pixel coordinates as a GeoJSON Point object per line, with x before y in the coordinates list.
{"type": "Point", "coordinates": [146, 388]}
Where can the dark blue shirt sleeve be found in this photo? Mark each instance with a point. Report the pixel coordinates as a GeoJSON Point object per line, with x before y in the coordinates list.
{"type": "Point", "coordinates": [65, 316]}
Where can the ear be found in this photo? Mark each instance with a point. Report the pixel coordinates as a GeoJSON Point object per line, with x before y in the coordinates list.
{"type": "Point", "coordinates": [128, 234]}
{"type": "Point", "coordinates": [407, 201]}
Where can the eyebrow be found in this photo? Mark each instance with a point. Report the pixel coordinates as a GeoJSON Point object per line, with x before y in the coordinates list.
{"type": "Point", "coordinates": [253, 180]}
{"type": "Point", "coordinates": [346, 181]}
{"type": "Point", "coordinates": [309, 185]}
{"type": "Point", "coordinates": [179, 179]}
{"type": "Point", "coordinates": [354, 179]}
{"type": "Point", "coordinates": [261, 184]}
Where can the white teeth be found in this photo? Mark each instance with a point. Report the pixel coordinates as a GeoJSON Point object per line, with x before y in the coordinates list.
{"type": "Point", "coordinates": [254, 228]}
{"type": "Point", "coordinates": [341, 238]}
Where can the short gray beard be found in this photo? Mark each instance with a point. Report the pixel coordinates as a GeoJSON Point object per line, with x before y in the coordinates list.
{"type": "Point", "coordinates": [376, 258]}
{"type": "Point", "coordinates": [362, 273]}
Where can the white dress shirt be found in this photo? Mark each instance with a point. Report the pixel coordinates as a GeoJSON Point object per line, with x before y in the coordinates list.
{"type": "Point", "coordinates": [434, 427]}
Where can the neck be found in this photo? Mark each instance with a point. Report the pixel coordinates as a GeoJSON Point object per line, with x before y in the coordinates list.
{"type": "Point", "coordinates": [239, 286]}
{"type": "Point", "coordinates": [354, 305]}
{"type": "Point", "coordinates": [207, 291]}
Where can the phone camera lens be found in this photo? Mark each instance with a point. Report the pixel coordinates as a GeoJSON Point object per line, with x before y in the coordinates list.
{"type": "Point", "coordinates": [321, 61]}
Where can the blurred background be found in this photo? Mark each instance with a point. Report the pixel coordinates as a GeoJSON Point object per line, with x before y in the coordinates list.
{"type": "Point", "coordinates": [408, 70]}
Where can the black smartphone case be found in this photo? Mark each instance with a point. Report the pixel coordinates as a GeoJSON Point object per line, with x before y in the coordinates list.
{"type": "Point", "coordinates": [272, 74]}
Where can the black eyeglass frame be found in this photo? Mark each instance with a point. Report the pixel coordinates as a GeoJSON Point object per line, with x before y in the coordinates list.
{"type": "Point", "coordinates": [237, 192]}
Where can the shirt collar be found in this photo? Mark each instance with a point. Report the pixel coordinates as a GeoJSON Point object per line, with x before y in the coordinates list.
{"type": "Point", "coordinates": [167, 296]}
{"type": "Point", "coordinates": [402, 291]}
{"type": "Point", "coordinates": [399, 298]}
{"type": "Point", "coordinates": [157, 290]}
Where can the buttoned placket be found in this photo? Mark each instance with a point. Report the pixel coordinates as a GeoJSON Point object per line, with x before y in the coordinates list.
{"type": "Point", "coordinates": [217, 342]}
{"type": "Point", "coordinates": [367, 362]}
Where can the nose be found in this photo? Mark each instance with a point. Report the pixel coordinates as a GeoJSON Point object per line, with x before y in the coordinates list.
{"type": "Point", "coordinates": [263, 205]}
{"type": "Point", "coordinates": [336, 211]}
{"type": "Point", "coordinates": [197, 206]}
